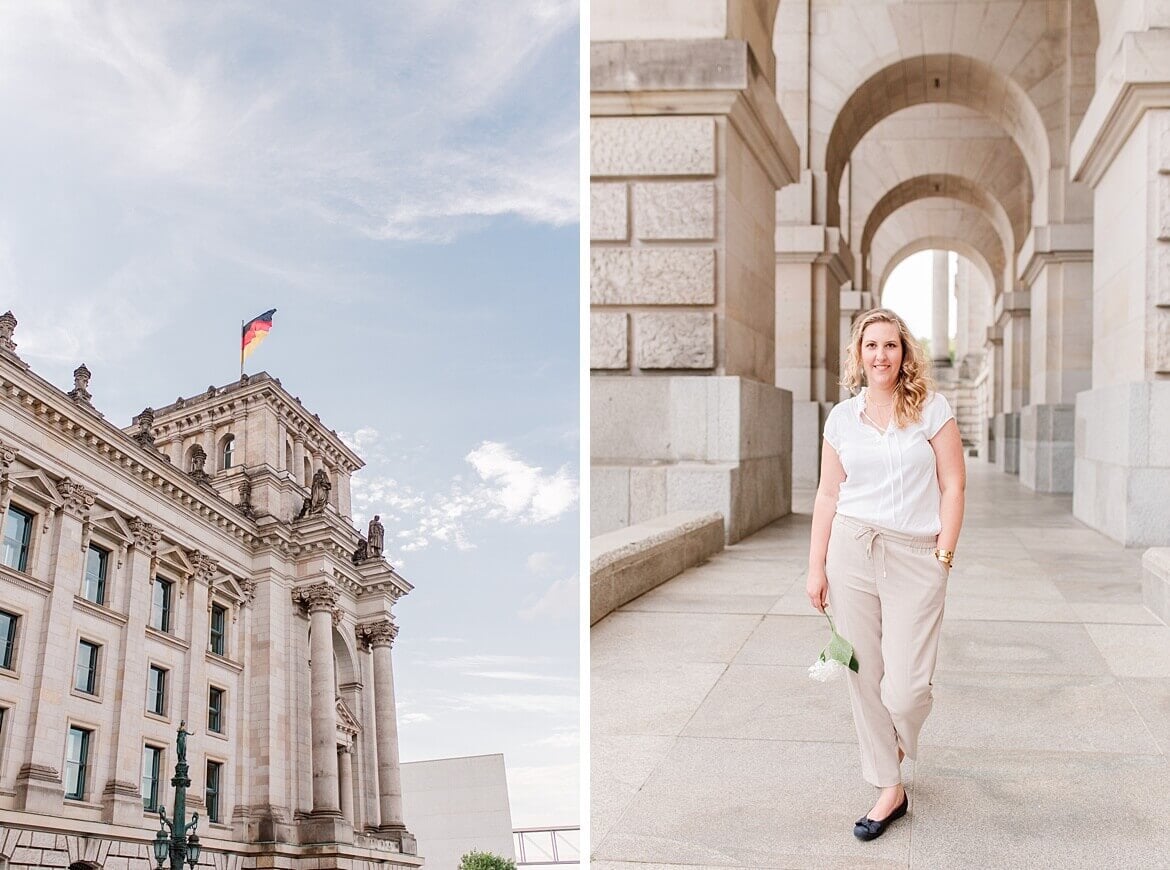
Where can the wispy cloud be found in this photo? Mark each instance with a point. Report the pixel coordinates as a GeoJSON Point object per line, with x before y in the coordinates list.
{"type": "Point", "coordinates": [560, 600]}
{"type": "Point", "coordinates": [505, 488]}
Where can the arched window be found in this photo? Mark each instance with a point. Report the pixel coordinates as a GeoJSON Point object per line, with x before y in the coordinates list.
{"type": "Point", "coordinates": [288, 456]}
{"type": "Point", "coordinates": [308, 472]}
{"type": "Point", "coordinates": [227, 451]}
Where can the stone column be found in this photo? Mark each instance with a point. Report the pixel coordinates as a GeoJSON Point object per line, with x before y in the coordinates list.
{"type": "Point", "coordinates": [380, 637]}
{"type": "Point", "coordinates": [810, 271]}
{"type": "Point", "coordinates": [1058, 274]}
{"type": "Point", "coordinates": [993, 348]}
{"type": "Point", "coordinates": [122, 799]}
{"type": "Point", "coordinates": [687, 149]}
{"type": "Point", "coordinates": [298, 469]}
{"type": "Point", "coordinates": [1013, 316]}
{"type": "Point", "coordinates": [320, 600]}
{"type": "Point", "coordinates": [39, 780]}
{"type": "Point", "coordinates": [940, 314]}
{"type": "Point", "coordinates": [1122, 150]}
{"type": "Point", "coordinates": [345, 780]}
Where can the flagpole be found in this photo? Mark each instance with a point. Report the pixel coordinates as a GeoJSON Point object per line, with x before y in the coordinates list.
{"type": "Point", "coordinates": [241, 350]}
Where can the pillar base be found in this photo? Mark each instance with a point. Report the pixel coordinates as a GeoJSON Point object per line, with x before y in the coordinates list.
{"type": "Point", "coordinates": [398, 835]}
{"type": "Point", "coordinates": [690, 443]}
{"type": "Point", "coordinates": [1156, 582]}
{"type": "Point", "coordinates": [1046, 447]}
{"type": "Point", "coordinates": [1006, 434]}
{"type": "Point", "coordinates": [326, 827]}
{"type": "Point", "coordinates": [1123, 462]}
{"type": "Point", "coordinates": [39, 790]}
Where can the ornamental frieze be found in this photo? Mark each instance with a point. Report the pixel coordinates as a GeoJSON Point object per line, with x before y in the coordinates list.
{"type": "Point", "coordinates": [146, 536]}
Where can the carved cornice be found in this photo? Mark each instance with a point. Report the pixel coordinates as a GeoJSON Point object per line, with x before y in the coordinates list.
{"type": "Point", "coordinates": [116, 449]}
{"type": "Point", "coordinates": [375, 634]}
{"type": "Point", "coordinates": [318, 596]}
{"type": "Point", "coordinates": [75, 498]}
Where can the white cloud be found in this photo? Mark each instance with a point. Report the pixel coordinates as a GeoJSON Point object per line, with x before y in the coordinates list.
{"type": "Point", "coordinates": [520, 676]}
{"type": "Point", "coordinates": [542, 563]}
{"type": "Point", "coordinates": [559, 600]}
{"type": "Point", "coordinates": [544, 795]}
{"type": "Point", "coordinates": [515, 702]}
{"type": "Point", "coordinates": [414, 718]}
{"type": "Point", "coordinates": [508, 490]}
{"type": "Point", "coordinates": [489, 660]}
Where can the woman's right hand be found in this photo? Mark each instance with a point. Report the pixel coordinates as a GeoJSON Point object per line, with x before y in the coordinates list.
{"type": "Point", "coordinates": [817, 589]}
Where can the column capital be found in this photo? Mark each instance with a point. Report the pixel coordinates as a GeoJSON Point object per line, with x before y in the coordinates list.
{"type": "Point", "coordinates": [75, 498]}
{"type": "Point", "coordinates": [146, 536]}
{"type": "Point", "coordinates": [380, 633]}
{"type": "Point", "coordinates": [204, 566]}
{"type": "Point", "coordinates": [319, 596]}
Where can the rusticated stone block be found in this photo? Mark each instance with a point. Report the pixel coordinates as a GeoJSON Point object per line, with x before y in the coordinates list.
{"type": "Point", "coordinates": [608, 213]}
{"type": "Point", "coordinates": [676, 340]}
{"type": "Point", "coordinates": [1162, 342]}
{"type": "Point", "coordinates": [683, 210]}
{"type": "Point", "coordinates": [608, 340]}
{"type": "Point", "coordinates": [652, 276]}
{"type": "Point", "coordinates": [651, 146]}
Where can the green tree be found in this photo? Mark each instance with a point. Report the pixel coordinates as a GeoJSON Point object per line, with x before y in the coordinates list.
{"type": "Point", "coordinates": [485, 861]}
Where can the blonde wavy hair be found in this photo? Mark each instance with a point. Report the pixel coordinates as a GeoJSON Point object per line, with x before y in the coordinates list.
{"type": "Point", "coordinates": [914, 382]}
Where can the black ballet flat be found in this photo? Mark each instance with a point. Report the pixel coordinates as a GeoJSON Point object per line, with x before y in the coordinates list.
{"type": "Point", "coordinates": [869, 829]}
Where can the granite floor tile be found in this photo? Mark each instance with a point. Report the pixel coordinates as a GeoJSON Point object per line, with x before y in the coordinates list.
{"type": "Point", "coordinates": [627, 636]}
{"type": "Point", "coordinates": [633, 699]}
{"type": "Point", "coordinates": [618, 766]}
{"type": "Point", "coordinates": [1018, 647]}
{"type": "Point", "coordinates": [1134, 650]}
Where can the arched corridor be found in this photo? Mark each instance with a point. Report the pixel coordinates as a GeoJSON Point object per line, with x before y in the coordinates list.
{"type": "Point", "coordinates": [1046, 747]}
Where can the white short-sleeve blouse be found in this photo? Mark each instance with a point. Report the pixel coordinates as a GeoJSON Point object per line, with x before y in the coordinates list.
{"type": "Point", "coordinates": [890, 478]}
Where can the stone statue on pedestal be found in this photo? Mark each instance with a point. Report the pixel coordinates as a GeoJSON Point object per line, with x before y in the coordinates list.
{"type": "Point", "coordinates": [376, 537]}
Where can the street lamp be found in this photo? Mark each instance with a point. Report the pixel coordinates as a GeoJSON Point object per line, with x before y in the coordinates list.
{"type": "Point", "coordinates": [174, 845]}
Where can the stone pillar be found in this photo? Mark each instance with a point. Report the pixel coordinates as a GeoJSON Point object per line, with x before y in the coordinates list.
{"type": "Point", "coordinates": [39, 780]}
{"type": "Point", "coordinates": [321, 599]}
{"type": "Point", "coordinates": [993, 348]}
{"type": "Point", "coordinates": [810, 270]}
{"type": "Point", "coordinates": [121, 797]}
{"type": "Point", "coordinates": [345, 781]}
{"type": "Point", "coordinates": [1012, 316]}
{"type": "Point", "coordinates": [380, 637]}
{"type": "Point", "coordinates": [1058, 275]}
{"type": "Point", "coordinates": [325, 824]}
{"type": "Point", "coordinates": [940, 314]}
{"type": "Point", "coordinates": [687, 149]}
{"type": "Point", "coordinates": [1122, 422]}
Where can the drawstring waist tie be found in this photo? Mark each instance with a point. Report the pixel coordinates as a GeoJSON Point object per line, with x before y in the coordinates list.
{"type": "Point", "coordinates": [873, 533]}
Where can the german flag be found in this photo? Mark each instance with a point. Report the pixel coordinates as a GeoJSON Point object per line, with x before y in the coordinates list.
{"type": "Point", "coordinates": [253, 333]}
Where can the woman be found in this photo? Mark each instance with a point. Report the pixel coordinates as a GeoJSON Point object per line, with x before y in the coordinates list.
{"type": "Point", "coordinates": [885, 524]}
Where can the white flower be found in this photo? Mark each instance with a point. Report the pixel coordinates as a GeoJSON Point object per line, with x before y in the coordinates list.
{"type": "Point", "coordinates": [822, 671]}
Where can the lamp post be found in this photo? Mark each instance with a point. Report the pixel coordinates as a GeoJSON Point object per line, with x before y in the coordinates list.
{"type": "Point", "coordinates": [182, 844]}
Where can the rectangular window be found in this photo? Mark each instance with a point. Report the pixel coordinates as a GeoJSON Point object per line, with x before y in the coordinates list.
{"type": "Point", "coordinates": [151, 776]}
{"type": "Point", "coordinates": [160, 604]}
{"type": "Point", "coordinates": [218, 629]}
{"type": "Point", "coordinates": [215, 710]}
{"type": "Point", "coordinates": [211, 792]}
{"type": "Point", "coordinates": [85, 676]}
{"type": "Point", "coordinates": [93, 588]}
{"type": "Point", "coordinates": [76, 762]}
{"type": "Point", "coordinates": [8, 623]}
{"type": "Point", "coordinates": [156, 690]}
{"type": "Point", "coordinates": [17, 534]}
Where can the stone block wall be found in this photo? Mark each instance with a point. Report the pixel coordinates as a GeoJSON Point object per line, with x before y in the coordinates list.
{"type": "Point", "coordinates": [653, 266]}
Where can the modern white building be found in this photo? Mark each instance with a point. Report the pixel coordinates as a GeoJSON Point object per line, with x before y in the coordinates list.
{"type": "Point", "coordinates": [457, 805]}
{"type": "Point", "coordinates": [198, 567]}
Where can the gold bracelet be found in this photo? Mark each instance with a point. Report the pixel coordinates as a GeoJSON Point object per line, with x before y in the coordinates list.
{"type": "Point", "coordinates": [947, 557]}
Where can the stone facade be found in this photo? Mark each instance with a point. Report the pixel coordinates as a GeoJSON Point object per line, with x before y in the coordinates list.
{"type": "Point", "coordinates": [197, 567]}
{"type": "Point", "coordinates": [1032, 140]}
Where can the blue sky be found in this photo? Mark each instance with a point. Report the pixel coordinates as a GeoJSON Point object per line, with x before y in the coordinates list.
{"type": "Point", "coordinates": [400, 181]}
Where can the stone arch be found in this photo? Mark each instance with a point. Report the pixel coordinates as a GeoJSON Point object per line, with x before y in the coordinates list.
{"type": "Point", "coordinates": [938, 78]}
{"type": "Point", "coordinates": [940, 185]}
{"type": "Point", "coordinates": [938, 243]}
{"type": "Point", "coordinates": [936, 216]}
{"type": "Point", "coordinates": [962, 142]}
{"type": "Point", "coordinates": [345, 659]}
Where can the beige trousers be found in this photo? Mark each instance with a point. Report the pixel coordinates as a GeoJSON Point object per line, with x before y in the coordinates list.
{"type": "Point", "coordinates": [886, 593]}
